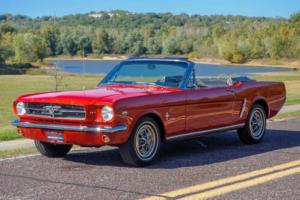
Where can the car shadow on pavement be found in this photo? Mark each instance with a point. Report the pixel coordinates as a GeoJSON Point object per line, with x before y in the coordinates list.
{"type": "Point", "coordinates": [202, 151]}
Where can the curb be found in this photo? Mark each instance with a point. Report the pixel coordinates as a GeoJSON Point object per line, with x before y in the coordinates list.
{"type": "Point", "coordinates": [16, 144]}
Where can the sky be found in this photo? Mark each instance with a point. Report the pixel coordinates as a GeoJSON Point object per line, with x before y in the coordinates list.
{"type": "Point", "coordinates": [266, 8]}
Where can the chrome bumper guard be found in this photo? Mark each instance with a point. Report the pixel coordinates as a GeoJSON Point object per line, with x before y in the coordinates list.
{"type": "Point", "coordinates": [93, 129]}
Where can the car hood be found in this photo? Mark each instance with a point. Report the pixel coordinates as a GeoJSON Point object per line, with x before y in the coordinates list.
{"type": "Point", "coordinates": [103, 94]}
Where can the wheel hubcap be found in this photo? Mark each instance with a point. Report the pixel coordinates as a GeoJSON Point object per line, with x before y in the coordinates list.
{"type": "Point", "coordinates": [146, 141]}
{"type": "Point", "coordinates": [257, 123]}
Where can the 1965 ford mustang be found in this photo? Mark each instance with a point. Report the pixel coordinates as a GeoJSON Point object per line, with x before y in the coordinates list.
{"type": "Point", "coordinates": [144, 102]}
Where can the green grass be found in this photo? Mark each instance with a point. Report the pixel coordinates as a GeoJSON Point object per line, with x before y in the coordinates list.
{"type": "Point", "coordinates": [9, 133]}
{"type": "Point", "coordinates": [292, 84]}
{"type": "Point", "coordinates": [17, 152]}
{"type": "Point", "coordinates": [288, 115]}
{"type": "Point", "coordinates": [12, 86]}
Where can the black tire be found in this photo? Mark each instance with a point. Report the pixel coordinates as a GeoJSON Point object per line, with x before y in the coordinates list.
{"type": "Point", "coordinates": [52, 150]}
{"type": "Point", "coordinates": [247, 134]}
{"type": "Point", "coordinates": [131, 154]}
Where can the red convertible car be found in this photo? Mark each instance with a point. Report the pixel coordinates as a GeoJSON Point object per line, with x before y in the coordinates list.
{"type": "Point", "coordinates": [144, 102]}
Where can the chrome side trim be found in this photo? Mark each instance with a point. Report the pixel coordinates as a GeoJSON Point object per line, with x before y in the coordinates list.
{"type": "Point", "coordinates": [69, 128]}
{"type": "Point", "coordinates": [59, 118]}
{"type": "Point", "coordinates": [197, 133]}
{"type": "Point", "coordinates": [243, 108]}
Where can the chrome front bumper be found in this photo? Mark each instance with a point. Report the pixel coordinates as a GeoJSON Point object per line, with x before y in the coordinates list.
{"type": "Point", "coordinates": [93, 129]}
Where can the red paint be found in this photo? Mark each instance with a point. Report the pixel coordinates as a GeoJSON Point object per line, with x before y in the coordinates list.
{"type": "Point", "coordinates": [188, 110]}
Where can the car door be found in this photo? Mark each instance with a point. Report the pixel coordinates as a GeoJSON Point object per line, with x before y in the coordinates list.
{"type": "Point", "coordinates": [209, 107]}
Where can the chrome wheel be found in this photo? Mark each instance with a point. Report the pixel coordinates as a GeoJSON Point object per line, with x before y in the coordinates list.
{"type": "Point", "coordinates": [146, 143]}
{"type": "Point", "coordinates": [257, 123]}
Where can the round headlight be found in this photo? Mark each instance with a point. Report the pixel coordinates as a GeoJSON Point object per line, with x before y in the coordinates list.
{"type": "Point", "coordinates": [107, 113]}
{"type": "Point", "coordinates": [21, 110]}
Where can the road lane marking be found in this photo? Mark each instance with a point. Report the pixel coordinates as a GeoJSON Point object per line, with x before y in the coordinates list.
{"type": "Point", "coordinates": [19, 157]}
{"type": "Point", "coordinates": [225, 181]}
{"type": "Point", "coordinates": [242, 185]}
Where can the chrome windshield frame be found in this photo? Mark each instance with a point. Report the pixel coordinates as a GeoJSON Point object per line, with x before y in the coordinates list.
{"type": "Point", "coordinates": [184, 82]}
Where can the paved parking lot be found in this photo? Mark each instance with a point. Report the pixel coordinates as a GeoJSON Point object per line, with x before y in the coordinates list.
{"type": "Point", "coordinates": [218, 167]}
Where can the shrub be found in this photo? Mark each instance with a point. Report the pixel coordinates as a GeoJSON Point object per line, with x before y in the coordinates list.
{"type": "Point", "coordinates": [238, 57]}
{"type": "Point", "coordinates": [192, 55]}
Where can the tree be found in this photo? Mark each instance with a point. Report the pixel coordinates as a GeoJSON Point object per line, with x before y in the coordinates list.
{"type": "Point", "coordinates": [26, 48]}
{"type": "Point", "coordinates": [170, 46]}
{"type": "Point", "coordinates": [153, 46]}
{"type": "Point", "coordinates": [186, 46]}
{"type": "Point", "coordinates": [295, 22]}
{"type": "Point", "coordinates": [6, 28]}
{"type": "Point", "coordinates": [102, 42]}
{"type": "Point", "coordinates": [85, 45]}
{"type": "Point", "coordinates": [51, 36]}
{"type": "Point", "coordinates": [295, 18]}
{"type": "Point", "coordinates": [258, 49]}
{"type": "Point", "coordinates": [6, 47]}
{"type": "Point", "coordinates": [234, 38]}
{"type": "Point", "coordinates": [40, 48]}
{"type": "Point", "coordinates": [278, 47]}
{"type": "Point", "coordinates": [2, 61]}
{"type": "Point", "coordinates": [135, 43]}
{"type": "Point", "coordinates": [121, 45]}
{"type": "Point", "coordinates": [69, 44]}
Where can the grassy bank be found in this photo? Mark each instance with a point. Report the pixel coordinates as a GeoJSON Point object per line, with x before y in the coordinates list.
{"type": "Point", "coordinates": [288, 115]}
{"type": "Point", "coordinates": [13, 86]}
{"type": "Point", "coordinates": [17, 152]}
{"type": "Point", "coordinates": [291, 64]}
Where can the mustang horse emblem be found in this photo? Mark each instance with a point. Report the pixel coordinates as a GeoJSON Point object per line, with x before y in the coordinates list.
{"type": "Point", "coordinates": [52, 110]}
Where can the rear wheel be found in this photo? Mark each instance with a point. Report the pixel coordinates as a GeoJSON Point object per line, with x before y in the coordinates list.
{"type": "Point", "coordinates": [255, 128]}
{"type": "Point", "coordinates": [143, 145]}
{"type": "Point", "coordinates": [52, 150]}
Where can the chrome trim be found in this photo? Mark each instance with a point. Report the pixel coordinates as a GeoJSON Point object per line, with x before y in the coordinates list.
{"type": "Point", "coordinates": [167, 59]}
{"type": "Point", "coordinates": [62, 110]}
{"type": "Point", "coordinates": [58, 118]}
{"type": "Point", "coordinates": [243, 107]}
{"type": "Point", "coordinates": [197, 133]}
{"type": "Point", "coordinates": [125, 113]}
{"type": "Point", "coordinates": [69, 128]}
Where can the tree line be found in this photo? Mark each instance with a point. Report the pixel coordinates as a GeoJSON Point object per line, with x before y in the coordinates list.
{"type": "Point", "coordinates": [234, 38]}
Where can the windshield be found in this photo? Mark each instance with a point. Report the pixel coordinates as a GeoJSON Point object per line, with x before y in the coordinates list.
{"type": "Point", "coordinates": [163, 73]}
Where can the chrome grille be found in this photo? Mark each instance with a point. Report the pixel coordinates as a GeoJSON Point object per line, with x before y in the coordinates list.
{"type": "Point", "coordinates": [55, 110]}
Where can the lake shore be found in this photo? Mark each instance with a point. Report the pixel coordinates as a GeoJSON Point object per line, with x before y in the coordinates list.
{"type": "Point", "coordinates": [290, 64]}
{"type": "Point", "coordinates": [90, 57]}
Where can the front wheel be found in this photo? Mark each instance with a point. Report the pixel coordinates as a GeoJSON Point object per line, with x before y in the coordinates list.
{"type": "Point", "coordinates": [255, 128]}
{"type": "Point", "coordinates": [143, 145]}
{"type": "Point", "coordinates": [52, 150]}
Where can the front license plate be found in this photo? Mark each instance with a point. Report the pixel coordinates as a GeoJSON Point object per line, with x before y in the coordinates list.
{"type": "Point", "coordinates": [55, 136]}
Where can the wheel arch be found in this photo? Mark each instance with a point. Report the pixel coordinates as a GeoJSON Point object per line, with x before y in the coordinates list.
{"type": "Point", "coordinates": [156, 117]}
{"type": "Point", "coordinates": [262, 102]}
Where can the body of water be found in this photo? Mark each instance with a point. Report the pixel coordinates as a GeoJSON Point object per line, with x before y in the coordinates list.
{"type": "Point", "coordinates": [105, 66]}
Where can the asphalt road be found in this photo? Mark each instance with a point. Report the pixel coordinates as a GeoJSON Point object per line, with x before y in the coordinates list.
{"type": "Point", "coordinates": [218, 167]}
